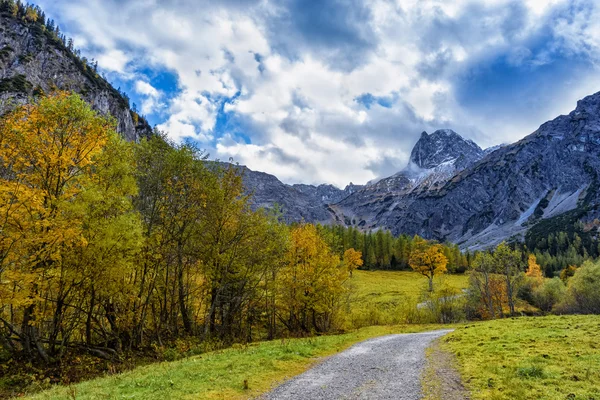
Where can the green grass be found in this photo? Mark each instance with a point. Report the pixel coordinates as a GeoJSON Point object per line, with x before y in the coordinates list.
{"type": "Point", "coordinates": [554, 357]}
{"type": "Point", "coordinates": [221, 374]}
{"type": "Point", "coordinates": [393, 286]}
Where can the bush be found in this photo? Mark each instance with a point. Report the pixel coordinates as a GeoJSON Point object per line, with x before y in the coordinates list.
{"type": "Point", "coordinates": [445, 306]}
{"type": "Point", "coordinates": [583, 294]}
{"type": "Point", "coordinates": [526, 290]}
{"type": "Point", "coordinates": [531, 372]}
{"type": "Point", "coordinates": [550, 293]}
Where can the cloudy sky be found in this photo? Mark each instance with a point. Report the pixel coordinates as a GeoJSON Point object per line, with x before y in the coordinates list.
{"type": "Point", "coordinates": [333, 91]}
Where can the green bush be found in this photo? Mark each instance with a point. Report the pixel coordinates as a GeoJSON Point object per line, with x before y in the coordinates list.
{"type": "Point", "coordinates": [444, 306]}
{"type": "Point", "coordinates": [531, 372]}
{"type": "Point", "coordinates": [583, 290]}
{"type": "Point", "coordinates": [550, 293]}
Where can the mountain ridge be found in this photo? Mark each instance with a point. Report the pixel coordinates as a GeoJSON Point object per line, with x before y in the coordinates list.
{"type": "Point", "coordinates": [35, 58]}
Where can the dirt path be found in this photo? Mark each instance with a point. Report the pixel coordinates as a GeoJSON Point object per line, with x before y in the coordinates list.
{"type": "Point", "coordinates": [388, 367]}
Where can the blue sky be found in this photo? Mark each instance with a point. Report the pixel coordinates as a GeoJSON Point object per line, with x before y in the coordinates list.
{"type": "Point", "coordinates": [334, 91]}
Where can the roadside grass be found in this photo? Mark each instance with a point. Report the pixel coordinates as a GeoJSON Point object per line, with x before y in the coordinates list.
{"type": "Point", "coordinates": [395, 286]}
{"type": "Point", "coordinates": [221, 374]}
{"type": "Point", "coordinates": [553, 357]}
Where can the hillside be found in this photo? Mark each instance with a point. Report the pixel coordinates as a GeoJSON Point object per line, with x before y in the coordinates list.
{"type": "Point", "coordinates": [36, 58]}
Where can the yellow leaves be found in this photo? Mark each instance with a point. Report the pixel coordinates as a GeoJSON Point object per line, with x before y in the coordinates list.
{"type": "Point", "coordinates": [65, 194]}
{"type": "Point", "coordinates": [313, 277]}
{"type": "Point", "coordinates": [352, 259]}
{"type": "Point", "coordinates": [534, 271]}
{"type": "Point", "coordinates": [427, 259]}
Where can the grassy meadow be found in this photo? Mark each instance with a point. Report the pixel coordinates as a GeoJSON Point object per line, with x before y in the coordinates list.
{"type": "Point", "coordinates": [553, 357]}
{"type": "Point", "coordinates": [395, 286]}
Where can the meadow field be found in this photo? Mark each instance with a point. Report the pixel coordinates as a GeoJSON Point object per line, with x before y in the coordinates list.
{"type": "Point", "coordinates": [550, 358]}
{"type": "Point", "coordinates": [396, 286]}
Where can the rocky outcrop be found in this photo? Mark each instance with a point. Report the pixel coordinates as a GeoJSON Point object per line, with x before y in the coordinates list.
{"type": "Point", "coordinates": [34, 60]}
{"type": "Point", "coordinates": [444, 147]}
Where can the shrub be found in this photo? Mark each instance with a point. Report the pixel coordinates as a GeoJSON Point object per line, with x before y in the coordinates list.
{"type": "Point", "coordinates": [444, 306]}
{"type": "Point", "coordinates": [551, 292]}
{"type": "Point", "coordinates": [583, 296]}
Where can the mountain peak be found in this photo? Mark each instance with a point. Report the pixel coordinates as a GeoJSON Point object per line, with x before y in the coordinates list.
{"type": "Point", "coordinates": [444, 146]}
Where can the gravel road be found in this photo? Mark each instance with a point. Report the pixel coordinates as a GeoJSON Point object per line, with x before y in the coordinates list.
{"type": "Point", "coordinates": [387, 367]}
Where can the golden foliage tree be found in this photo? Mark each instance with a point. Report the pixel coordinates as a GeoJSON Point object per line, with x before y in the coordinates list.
{"type": "Point", "coordinates": [310, 283]}
{"type": "Point", "coordinates": [61, 198]}
{"type": "Point", "coordinates": [428, 259]}
{"type": "Point", "coordinates": [352, 260]}
{"type": "Point", "coordinates": [534, 271]}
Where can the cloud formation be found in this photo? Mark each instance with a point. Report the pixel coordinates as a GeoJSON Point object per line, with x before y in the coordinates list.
{"type": "Point", "coordinates": [332, 91]}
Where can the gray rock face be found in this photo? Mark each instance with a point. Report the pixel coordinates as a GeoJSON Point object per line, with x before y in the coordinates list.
{"type": "Point", "coordinates": [551, 171]}
{"type": "Point", "coordinates": [434, 159]}
{"type": "Point", "coordinates": [299, 202]}
{"type": "Point", "coordinates": [31, 62]}
{"type": "Point", "coordinates": [442, 147]}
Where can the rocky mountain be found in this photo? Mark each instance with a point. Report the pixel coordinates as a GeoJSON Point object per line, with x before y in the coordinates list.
{"type": "Point", "coordinates": [453, 190]}
{"type": "Point", "coordinates": [549, 174]}
{"type": "Point", "coordinates": [444, 147]}
{"type": "Point", "coordinates": [297, 202]}
{"type": "Point", "coordinates": [435, 158]}
{"type": "Point", "coordinates": [35, 58]}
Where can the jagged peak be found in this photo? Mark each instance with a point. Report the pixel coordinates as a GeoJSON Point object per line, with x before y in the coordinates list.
{"type": "Point", "coordinates": [442, 146]}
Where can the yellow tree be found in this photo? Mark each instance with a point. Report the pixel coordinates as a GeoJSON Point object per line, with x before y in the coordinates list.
{"type": "Point", "coordinates": [428, 259]}
{"type": "Point", "coordinates": [534, 272]}
{"type": "Point", "coordinates": [46, 151]}
{"type": "Point", "coordinates": [352, 260]}
{"type": "Point", "coordinates": [310, 283]}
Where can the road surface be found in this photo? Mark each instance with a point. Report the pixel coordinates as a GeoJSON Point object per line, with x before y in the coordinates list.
{"type": "Point", "coordinates": [388, 367]}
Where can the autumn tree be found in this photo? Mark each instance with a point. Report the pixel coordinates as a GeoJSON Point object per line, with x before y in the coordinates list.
{"type": "Point", "coordinates": [427, 259]}
{"type": "Point", "coordinates": [310, 283]}
{"type": "Point", "coordinates": [486, 287]}
{"type": "Point", "coordinates": [352, 260]}
{"type": "Point", "coordinates": [60, 197]}
{"type": "Point", "coordinates": [508, 263]}
{"type": "Point", "coordinates": [567, 273]}
{"type": "Point", "coordinates": [534, 272]}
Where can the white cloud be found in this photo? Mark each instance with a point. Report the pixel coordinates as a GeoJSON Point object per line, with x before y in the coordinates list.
{"type": "Point", "coordinates": [113, 60]}
{"type": "Point", "coordinates": [299, 107]}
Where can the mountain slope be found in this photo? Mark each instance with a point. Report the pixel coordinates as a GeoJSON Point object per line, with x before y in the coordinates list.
{"type": "Point", "coordinates": [551, 171]}
{"type": "Point", "coordinates": [297, 202]}
{"type": "Point", "coordinates": [35, 58]}
{"type": "Point", "coordinates": [434, 159]}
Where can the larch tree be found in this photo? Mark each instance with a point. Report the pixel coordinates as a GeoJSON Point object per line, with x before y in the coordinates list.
{"type": "Point", "coordinates": [428, 259]}
{"type": "Point", "coordinates": [534, 271]}
{"type": "Point", "coordinates": [352, 260]}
